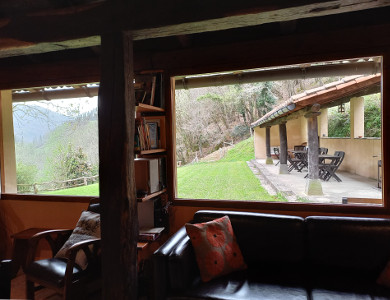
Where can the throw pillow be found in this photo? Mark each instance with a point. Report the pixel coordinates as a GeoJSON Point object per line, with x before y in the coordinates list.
{"type": "Point", "coordinates": [384, 277]}
{"type": "Point", "coordinates": [88, 227]}
{"type": "Point", "coordinates": [216, 249]}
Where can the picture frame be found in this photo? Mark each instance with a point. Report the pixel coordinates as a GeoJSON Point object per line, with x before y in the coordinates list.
{"type": "Point", "coordinates": [153, 127]}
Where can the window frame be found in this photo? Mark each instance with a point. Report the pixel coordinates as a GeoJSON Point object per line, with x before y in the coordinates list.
{"type": "Point", "coordinates": [295, 208]}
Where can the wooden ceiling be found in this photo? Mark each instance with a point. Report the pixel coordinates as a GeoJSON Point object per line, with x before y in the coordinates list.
{"type": "Point", "coordinates": [38, 26]}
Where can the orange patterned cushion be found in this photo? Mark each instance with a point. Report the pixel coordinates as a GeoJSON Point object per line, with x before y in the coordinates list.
{"type": "Point", "coordinates": [216, 249]}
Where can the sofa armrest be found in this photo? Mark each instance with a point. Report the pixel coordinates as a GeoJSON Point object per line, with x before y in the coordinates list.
{"type": "Point", "coordinates": [160, 263]}
{"type": "Point", "coordinates": [182, 265]}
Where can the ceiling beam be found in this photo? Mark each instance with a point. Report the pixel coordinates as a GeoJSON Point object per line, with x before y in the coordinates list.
{"type": "Point", "coordinates": [80, 26]}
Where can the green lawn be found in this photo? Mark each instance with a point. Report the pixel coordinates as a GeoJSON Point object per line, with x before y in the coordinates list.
{"type": "Point", "coordinates": [87, 190]}
{"type": "Point", "coordinates": [229, 178]}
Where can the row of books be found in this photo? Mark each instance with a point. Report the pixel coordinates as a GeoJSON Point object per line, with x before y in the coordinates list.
{"type": "Point", "coordinates": [146, 135]}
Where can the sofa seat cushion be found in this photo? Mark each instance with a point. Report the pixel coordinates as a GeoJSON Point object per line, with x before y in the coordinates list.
{"type": "Point", "coordinates": [51, 270]}
{"type": "Point", "coordinates": [239, 286]}
{"type": "Point", "coordinates": [324, 294]}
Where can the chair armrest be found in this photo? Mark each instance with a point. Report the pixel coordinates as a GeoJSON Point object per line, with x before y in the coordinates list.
{"type": "Point", "coordinates": [84, 245]}
{"type": "Point", "coordinates": [160, 263]}
{"type": "Point", "coordinates": [70, 254]}
{"type": "Point", "coordinates": [56, 238]}
{"type": "Point", "coordinates": [182, 265]}
{"type": "Point", "coordinates": [5, 278]}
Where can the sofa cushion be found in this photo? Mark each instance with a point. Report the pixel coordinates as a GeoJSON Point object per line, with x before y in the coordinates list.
{"type": "Point", "coordinates": [88, 227]}
{"type": "Point", "coordinates": [323, 294]}
{"type": "Point", "coordinates": [264, 239]}
{"type": "Point", "coordinates": [241, 285]}
{"type": "Point", "coordinates": [356, 245]}
{"type": "Point", "coordinates": [216, 249]}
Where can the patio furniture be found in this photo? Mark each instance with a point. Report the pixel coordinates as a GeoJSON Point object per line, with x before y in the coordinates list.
{"type": "Point", "coordinates": [299, 148]}
{"type": "Point", "coordinates": [322, 151]}
{"type": "Point", "coordinates": [300, 155]}
{"type": "Point", "coordinates": [294, 163]}
{"type": "Point", "coordinates": [328, 170]}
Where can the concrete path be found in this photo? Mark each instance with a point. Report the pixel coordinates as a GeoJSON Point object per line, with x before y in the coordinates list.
{"type": "Point", "coordinates": [292, 185]}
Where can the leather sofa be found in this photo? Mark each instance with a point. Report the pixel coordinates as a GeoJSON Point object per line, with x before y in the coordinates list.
{"type": "Point", "coordinates": [288, 257]}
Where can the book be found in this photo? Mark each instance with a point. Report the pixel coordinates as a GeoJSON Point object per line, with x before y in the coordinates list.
{"type": "Point", "coordinates": [150, 234]}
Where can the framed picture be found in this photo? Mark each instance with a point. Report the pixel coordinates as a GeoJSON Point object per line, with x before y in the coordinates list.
{"type": "Point", "coordinates": [153, 128]}
{"type": "Point", "coordinates": [145, 87]}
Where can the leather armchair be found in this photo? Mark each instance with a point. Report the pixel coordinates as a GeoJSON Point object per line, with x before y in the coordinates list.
{"type": "Point", "coordinates": [63, 274]}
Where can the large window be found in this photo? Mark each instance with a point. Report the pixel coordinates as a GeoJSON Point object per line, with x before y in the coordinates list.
{"type": "Point", "coordinates": [56, 145]}
{"type": "Point", "coordinates": [221, 133]}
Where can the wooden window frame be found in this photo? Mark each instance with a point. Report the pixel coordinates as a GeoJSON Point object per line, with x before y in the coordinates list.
{"type": "Point", "coordinates": [297, 208]}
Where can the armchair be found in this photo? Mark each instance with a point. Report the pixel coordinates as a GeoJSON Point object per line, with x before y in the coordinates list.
{"type": "Point", "coordinates": [63, 274]}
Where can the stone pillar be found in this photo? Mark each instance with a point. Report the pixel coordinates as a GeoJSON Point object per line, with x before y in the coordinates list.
{"type": "Point", "coordinates": [268, 160]}
{"type": "Point", "coordinates": [357, 117]}
{"type": "Point", "coordinates": [283, 169]}
{"type": "Point", "coordinates": [324, 123]}
{"type": "Point", "coordinates": [8, 162]}
{"type": "Point", "coordinates": [313, 184]}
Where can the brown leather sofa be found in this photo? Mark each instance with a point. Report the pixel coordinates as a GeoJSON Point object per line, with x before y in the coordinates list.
{"type": "Point", "coordinates": [288, 257]}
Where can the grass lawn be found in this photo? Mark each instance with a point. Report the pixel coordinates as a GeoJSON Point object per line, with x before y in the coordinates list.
{"type": "Point", "coordinates": [229, 178]}
{"type": "Point", "coordinates": [87, 190]}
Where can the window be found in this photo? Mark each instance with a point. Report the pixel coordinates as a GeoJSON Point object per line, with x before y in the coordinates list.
{"type": "Point", "coordinates": [56, 143]}
{"type": "Point", "coordinates": [221, 133]}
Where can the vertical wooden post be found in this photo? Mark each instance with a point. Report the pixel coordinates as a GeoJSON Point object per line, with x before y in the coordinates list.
{"type": "Point", "coordinates": [119, 222]}
{"type": "Point", "coordinates": [283, 169]}
{"type": "Point", "coordinates": [313, 185]}
{"type": "Point", "coordinates": [268, 160]}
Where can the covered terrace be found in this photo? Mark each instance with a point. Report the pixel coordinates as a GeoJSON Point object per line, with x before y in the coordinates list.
{"type": "Point", "coordinates": [303, 119]}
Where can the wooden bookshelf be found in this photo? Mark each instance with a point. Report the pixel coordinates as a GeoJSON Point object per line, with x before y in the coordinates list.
{"type": "Point", "coordinates": [146, 108]}
{"type": "Point", "coordinates": [151, 151]}
{"type": "Point", "coordinates": [150, 196]}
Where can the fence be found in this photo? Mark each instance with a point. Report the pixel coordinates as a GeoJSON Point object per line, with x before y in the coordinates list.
{"type": "Point", "coordinates": [35, 188]}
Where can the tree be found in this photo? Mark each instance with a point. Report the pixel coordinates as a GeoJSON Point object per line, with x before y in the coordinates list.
{"type": "Point", "coordinates": [25, 174]}
{"type": "Point", "coordinates": [372, 115]}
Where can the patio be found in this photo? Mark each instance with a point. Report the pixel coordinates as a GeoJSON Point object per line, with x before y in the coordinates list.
{"type": "Point", "coordinates": [292, 185]}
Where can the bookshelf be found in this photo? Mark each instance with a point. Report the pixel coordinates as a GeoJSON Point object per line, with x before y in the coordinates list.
{"type": "Point", "coordinates": [150, 144]}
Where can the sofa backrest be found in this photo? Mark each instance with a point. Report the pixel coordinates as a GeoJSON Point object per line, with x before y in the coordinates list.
{"type": "Point", "coordinates": [357, 245]}
{"type": "Point", "coordinates": [264, 239]}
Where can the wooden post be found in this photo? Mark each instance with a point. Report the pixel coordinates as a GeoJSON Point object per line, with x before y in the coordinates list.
{"type": "Point", "coordinates": [119, 222]}
{"type": "Point", "coordinates": [283, 169]}
{"type": "Point", "coordinates": [313, 184]}
{"type": "Point", "coordinates": [269, 160]}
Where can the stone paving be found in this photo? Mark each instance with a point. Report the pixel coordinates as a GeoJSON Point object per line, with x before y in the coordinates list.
{"type": "Point", "coordinates": [292, 185]}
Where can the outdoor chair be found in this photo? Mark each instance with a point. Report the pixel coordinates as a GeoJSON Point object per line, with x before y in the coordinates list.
{"type": "Point", "coordinates": [322, 151]}
{"type": "Point", "coordinates": [295, 163]}
{"type": "Point", "coordinates": [328, 171]}
{"type": "Point", "coordinates": [276, 153]}
{"type": "Point", "coordinates": [66, 275]}
{"type": "Point", "coordinates": [299, 148]}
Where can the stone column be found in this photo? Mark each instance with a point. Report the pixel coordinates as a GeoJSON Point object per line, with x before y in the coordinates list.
{"type": "Point", "coordinates": [324, 123]}
{"type": "Point", "coordinates": [357, 117]}
{"type": "Point", "coordinates": [313, 184]}
{"type": "Point", "coordinates": [268, 160]}
{"type": "Point", "coordinates": [283, 169]}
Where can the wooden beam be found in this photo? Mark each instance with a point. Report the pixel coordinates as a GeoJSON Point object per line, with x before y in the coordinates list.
{"type": "Point", "coordinates": [157, 19]}
{"type": "Point", "coordinates": [116, 168]}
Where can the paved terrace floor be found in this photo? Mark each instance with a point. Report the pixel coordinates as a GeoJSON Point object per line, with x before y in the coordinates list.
{"type": "Point", "coordinates": [292, 185]}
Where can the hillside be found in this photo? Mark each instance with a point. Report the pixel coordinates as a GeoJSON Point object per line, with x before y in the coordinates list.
{"type": "Point", "coordinates": [33, 122]}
